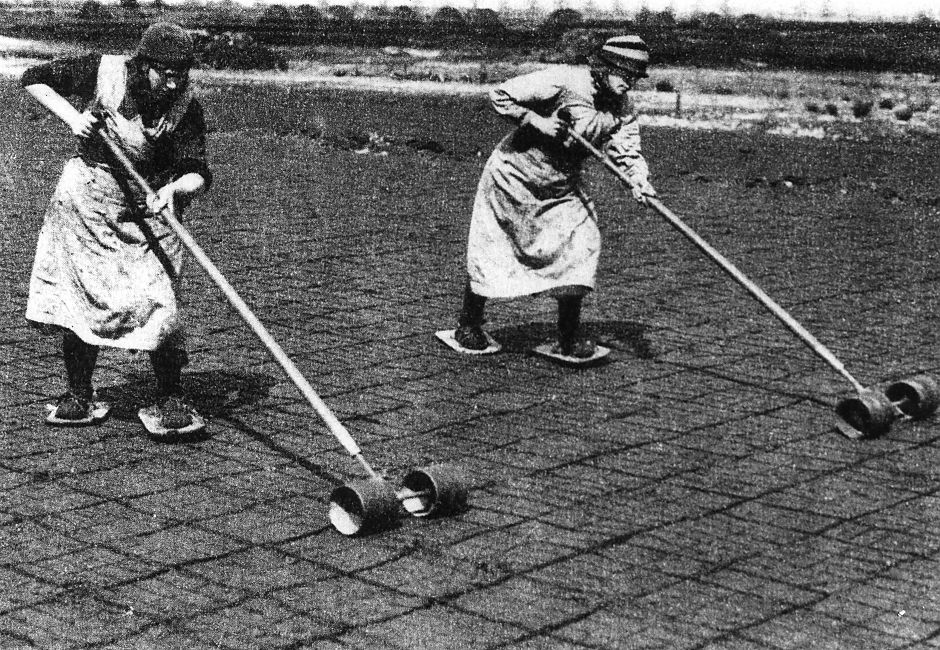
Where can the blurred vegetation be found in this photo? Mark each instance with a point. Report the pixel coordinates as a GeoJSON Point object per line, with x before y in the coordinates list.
{"type": "Point", "coordinates": [235, 35]}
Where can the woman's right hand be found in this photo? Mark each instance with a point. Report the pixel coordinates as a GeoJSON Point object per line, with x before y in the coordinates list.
{"type": "Point", "coordinates": [552, 126]}
{"type": "Point", "coordinates": [83, 125]}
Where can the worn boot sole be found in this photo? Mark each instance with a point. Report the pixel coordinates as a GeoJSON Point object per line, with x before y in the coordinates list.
{"type": "Point", "coordinates": [150, 418]}
{"type": "Point", "coordinates": [549, 351]}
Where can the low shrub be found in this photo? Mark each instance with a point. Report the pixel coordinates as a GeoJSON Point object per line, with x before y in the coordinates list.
{"type": "Point", "coordinates": [240, 52]}
{"type": "Point", "coordinates": [832, 109]}
{"type": "Point", "coordinates": [861, 107]}
{"type": "Point", "coordinates": [665, 86]}
{"type": "Point", "coordinates": [903, 112]}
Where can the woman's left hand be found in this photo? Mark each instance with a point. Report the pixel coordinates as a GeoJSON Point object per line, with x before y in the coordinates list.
{"type": "Point", "coordinates": [641, 189]}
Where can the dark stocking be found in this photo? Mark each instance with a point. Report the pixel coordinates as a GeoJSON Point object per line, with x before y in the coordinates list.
{"type": "Point", "coordinates": [473, 308]}
{"type": "Point", "coordinates": [168, 365]}
{"type": "Point", "coordinates": [80, 359]}
{"type": "Point", "coordinates": [569, 319]}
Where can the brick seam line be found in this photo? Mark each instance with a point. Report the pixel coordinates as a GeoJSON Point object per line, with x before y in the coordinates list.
{"type": "Point", "coordinates": [711, 372]}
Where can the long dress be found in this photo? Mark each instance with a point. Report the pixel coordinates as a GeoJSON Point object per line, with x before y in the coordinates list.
{"type": "Point", "coordinates": [533, 228]}
{"type": "Point", "coordinates": [103, 269]}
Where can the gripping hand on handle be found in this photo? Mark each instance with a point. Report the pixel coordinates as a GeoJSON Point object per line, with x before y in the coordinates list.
{"type": "Point", "coordinates": [82, 124]}
{"type": "Point", "coordinates": [552, 126]}
{"type": "Point", "coordinates": [161, 201]}
{"type": "Point", "coordinates": [641, 190]}
{"type": "Point", "coordinates": [176, 195]}
{"type": "Point", "coordinates": [639, 186]}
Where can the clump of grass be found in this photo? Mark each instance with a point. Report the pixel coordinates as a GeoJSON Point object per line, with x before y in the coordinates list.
{"type": "Point", "coordinates": [665, 86]}
{"type": "Point", "coordinates": [862, 107]}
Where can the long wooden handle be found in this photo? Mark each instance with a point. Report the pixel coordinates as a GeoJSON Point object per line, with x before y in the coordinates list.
{"type": "Point", "coordinates": [811, 341]}
{"type": "Point", "coordinates": [335, 426]}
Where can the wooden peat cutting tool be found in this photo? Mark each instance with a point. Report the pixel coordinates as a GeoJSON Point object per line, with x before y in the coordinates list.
{"type": "Point", "coordinates": [870, 412]}
{"type": "Point", "coordinates": [360, 506]}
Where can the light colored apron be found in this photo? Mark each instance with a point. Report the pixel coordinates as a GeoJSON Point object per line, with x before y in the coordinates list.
{"type": "Point", "coordinates": [102, 270]}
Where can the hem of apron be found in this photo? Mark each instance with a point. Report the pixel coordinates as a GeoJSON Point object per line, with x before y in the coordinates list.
{"type": "Point", "coordinates": [537, 291]}
{"type": "Point", "coordinates": [51, 326]}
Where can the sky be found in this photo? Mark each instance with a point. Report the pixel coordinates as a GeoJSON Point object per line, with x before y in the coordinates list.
{"type": "Point", "coordinates": [893, 9]}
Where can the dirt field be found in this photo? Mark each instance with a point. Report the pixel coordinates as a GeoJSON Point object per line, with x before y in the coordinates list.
{"type": "Point", "coordinates": [689, 495]}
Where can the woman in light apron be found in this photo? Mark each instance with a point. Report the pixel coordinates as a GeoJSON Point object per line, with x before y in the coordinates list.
{"type": "Point", "coordinates": [534, 230]}
{"type": "Point", "coordinates": [106, 271]}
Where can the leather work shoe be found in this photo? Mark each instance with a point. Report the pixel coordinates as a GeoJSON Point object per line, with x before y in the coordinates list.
{"type": "Point", "coordinates": [579, 348]}
{"type": "Point", "coordinates": [174, 413]}
{"type": "Point", "coordinates": [471, 337]}
{"type": "Point", "coordinates": [71, 407]}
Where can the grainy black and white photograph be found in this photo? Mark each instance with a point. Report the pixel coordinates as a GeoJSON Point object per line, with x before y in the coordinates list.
{"type": "Point", "coordinates": [469, 324]}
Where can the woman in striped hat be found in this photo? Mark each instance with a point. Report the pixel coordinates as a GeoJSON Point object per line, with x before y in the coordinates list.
{"type": "Point", "coordinates": [534, 230]}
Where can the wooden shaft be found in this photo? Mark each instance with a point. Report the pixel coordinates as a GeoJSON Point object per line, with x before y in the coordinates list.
{"type": "Point", "coordinates": [811, 341]}
{"type": "Point", "coordinates": [335, 426]}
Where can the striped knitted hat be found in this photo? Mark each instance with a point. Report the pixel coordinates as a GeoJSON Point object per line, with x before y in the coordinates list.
{"type": "Point", "coordinates": [625, 54]}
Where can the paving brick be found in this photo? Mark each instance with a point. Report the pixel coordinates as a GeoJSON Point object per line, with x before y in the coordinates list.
{"type": "Point", "coordinates": [443, 628]}
{"type": "Point", "coordinates": [179, 544]}
{"type": "Point", "coordinates": [530, 642]}
{"type": "Point", "coordinates": [602, 577]}
{"type": "Point", "coordinates": [263, 622]}
{"type": "Point", "coordinates": [761, 586]}
{"type": "Point", "coordinates": [74, 616]}
{"type": "Point", "coordinates": [349, 603]}
{"type": "Point", "coordinates": [634, 628]}
{"type": "Point", "coordinates": [23, 590]}
{"type": "Point", "coordinates": [269, 522]}
{"type": "Point", "coordinates": [806, 628]}
{"type": "Point", "coordinates": [175, 595]}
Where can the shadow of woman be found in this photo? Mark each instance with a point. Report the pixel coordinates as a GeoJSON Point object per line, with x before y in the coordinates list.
{"type": "Point", "coordinates": [623, 336]}
{"type": "Point", "coordinates": [216, 394]}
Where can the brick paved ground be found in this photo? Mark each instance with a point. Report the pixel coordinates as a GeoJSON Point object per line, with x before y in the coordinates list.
{"type": "Point", "coordinates": [689, 494]}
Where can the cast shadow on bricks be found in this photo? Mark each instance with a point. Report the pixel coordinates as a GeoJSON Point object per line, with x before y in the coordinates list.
{"type": "Point", "coordinates": [623, 336]}
{"type": "Point", "coordinates": [217, 395]}
{"type": "Point", "coordinates": [214, 393]}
